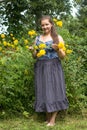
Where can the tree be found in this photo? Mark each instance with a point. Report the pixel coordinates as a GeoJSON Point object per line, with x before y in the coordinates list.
{"type": "Point", "coordinates": [19, 14]}
{"type": "Point", "coordinates": [12, 14]}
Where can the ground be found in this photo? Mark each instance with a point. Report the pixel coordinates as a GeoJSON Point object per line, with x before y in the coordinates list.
{"type": "Point", "coordinates": [36, 122]}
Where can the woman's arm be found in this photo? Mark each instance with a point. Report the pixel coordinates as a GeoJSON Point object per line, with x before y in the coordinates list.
{"type": "Point", "coordinates": [34, 52]}
{"type": "Point", "coordinates": [60, 51]}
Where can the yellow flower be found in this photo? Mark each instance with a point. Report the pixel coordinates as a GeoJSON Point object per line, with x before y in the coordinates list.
{"type": "Point", "coordinates": [41, 53]}
{"type": "Point", "coordinates": [64, 48]}
{"type": "Point", "coordinates": [31, 33]}
{"type": "Point", "coordinates": [26, 41]}
{"type": "Point", "coordinates": [0, 48]}
{"type": "Point", "coordinates": [35, 47]}
{"type": "Point", "coordinates": [69, 51]}
{"type": "Point", "coordinates": [13, 38]}
{"type": "Point", "coordinates": [42, 46]}
{"type": "Point", "coordinates": [8, 44]}
{"type": "Point", "coordinates": [27, 47]}
{"type": "Point", "coordinates": [54, 19]}
{"type": "Point", "coordinates": [59, 23]}
{"type": "Point", "coordinates": [17, 48]}
{"type": "Point", "coordinates": [4, 43]}
{"type": "Point", "coordinates": [12, 46]}
{"type": "Point", "coordinates": [15, 42]}
{"type": "Point", "coordinates": [60, 45]}
{"type": "Point", "coordinates": [2, 35]}
{"type": "Point", "coordinates": [11, 34]}
{"type": "Point", "coordinates": [66, 45]}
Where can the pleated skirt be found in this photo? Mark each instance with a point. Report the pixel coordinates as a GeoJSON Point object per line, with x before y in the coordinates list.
{"type": "Point", "coordinates": [50, 91]}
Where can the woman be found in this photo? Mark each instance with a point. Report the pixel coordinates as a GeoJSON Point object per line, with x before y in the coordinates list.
{"type": "Point", "coordinates": [49, 78]}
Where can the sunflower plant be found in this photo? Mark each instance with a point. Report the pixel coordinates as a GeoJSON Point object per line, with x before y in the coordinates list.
{"type": "Point", "coordinates": [64, 48]}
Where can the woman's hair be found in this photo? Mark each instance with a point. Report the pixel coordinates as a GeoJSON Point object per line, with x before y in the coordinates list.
{"type": "Point", "coordinates": [53, 30]}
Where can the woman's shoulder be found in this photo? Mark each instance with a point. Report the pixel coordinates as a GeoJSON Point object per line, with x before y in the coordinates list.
{"type": "Point", "coordinates": [37, 38]}
{"type": "Point", "coordinates": [60, 38]}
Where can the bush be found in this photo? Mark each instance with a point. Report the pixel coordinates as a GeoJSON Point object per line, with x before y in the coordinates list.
{"type": "Point", "coordinates": [17, 81]}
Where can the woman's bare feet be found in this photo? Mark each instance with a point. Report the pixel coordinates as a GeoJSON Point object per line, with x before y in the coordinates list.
{"type": "Point", "coordinates": [50, 124]}
{"type": "Point", "coordinates": [48, 117]}
{"type": "Point", "coordinates": [52, 119]}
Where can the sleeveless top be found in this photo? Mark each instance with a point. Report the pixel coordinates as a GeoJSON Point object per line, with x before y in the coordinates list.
{"type": "Point", "coordinates": [50, 52]}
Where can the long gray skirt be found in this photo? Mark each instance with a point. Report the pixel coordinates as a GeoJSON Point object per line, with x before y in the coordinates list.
{"type": "Point", "coordinates": [50, 92]}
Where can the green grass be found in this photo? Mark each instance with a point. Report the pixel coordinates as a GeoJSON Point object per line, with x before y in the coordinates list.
{"type": "Point", "coordinates": [76, 122]}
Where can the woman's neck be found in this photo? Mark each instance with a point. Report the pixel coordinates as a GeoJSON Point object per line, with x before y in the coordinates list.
{"type": "Point", "coordinates": [46, 34]}
{"type": "Point", "coordinates": [45, 37]}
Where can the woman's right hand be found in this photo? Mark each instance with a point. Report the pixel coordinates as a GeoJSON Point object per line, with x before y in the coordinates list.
{"type": "Point", "coordinates": [31, 48]}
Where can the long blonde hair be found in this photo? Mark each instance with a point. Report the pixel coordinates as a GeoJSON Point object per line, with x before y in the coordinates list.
{"type": "Point", "coordinates": [53, 30]}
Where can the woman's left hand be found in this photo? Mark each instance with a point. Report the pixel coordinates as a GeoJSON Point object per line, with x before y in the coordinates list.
{"type": "Point", "coordinates": [61, 53]}
{"type": "Point", "coordinates": [55, 47]}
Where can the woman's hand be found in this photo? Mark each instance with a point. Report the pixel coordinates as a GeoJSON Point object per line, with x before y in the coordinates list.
{"type": "Point", "coordinates": [31, 48]}
{"type": "Point", "coordinates": [55, 47]}
{"type": "Point", "coordinates": [34, 52]}
{"type": "Point", "coordinates": [61, 53]}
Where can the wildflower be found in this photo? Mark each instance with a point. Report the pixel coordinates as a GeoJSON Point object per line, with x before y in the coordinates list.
{"type": "Point", "coordinates": [12, 46]}
{"type": "Point", "coordinates": [11, 34]}
{"type": "Point", "coordinates": [59, 23]}
{"type": "Point", "coordinates": [31, 33]}
{"type": "Point", "coordinates": [68, 51]}
{"type": "Point", "coordinates": [4, 43]}
{"type": "Point", "coordinates": [42, 46]}
{"type": "Point", "coordinates": [27, 47]}
{"type": "Point", "coordinates": [17, 48]}
{"type": "Point", "coordinates": [13, 38]}
{"type": "Point", "coordinates": [41, 53]}
{"type": "Point", "coordinates": [15, 42]}
{"type": "Point", "coordinates": [8, 44]}
{"type": "Point", "coordinates": [66, 45]}
{"type": "Point", "coordinates": [35, 47]}
{"type": "Point", "coordinates": [26, 41]}
{"type": "Point", "coordinates": [64, 48]}
{"type": "Point", "coordinates": [2, 35]}
{"type": "Point", "coordinates": [0, 48]}
{"type": "Point", "coordinates": [55, 20]}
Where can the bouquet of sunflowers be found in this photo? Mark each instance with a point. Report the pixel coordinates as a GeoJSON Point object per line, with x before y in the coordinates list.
{"type": "Point", "coordinates": [41, 48]}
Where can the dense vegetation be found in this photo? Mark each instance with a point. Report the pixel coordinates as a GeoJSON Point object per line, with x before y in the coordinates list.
{"type": "Point", "coordinates": [17, 64]}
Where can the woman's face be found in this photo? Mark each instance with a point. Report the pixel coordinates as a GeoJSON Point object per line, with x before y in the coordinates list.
{"type": "Point", "coordinates": [46, 26]}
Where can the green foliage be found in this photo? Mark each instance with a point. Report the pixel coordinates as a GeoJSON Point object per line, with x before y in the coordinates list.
{"type": "Point", "coordinates": [16, 81]}
{"type": "Point", "coordinates": [18, 15]}
{"type": "Point", "coordinates": [75, 69]}
{"type": "Point", "coordinates": [12, 15]}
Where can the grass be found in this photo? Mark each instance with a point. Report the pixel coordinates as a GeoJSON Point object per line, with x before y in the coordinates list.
{"type": "Point", "coordinates": [36, 122]}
